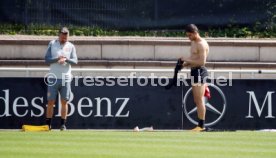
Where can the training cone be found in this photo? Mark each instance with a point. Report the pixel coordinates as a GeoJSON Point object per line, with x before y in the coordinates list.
{"type": "Point", "coordinates": [32, 128]}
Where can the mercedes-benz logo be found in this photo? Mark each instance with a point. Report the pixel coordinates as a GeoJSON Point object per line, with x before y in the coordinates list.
{"type": "Point", "coordinates": [215, 107]}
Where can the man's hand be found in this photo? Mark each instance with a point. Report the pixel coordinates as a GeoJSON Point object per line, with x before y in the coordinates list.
{"type": "Point", "coordinates": [182, 59]}
{"type": "Point", "coordinates": [61, 56]}
{"type": "Point", "coordinates": [62, 59]}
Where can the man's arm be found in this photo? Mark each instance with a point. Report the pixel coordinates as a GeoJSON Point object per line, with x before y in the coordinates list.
{"type": "Point", "coordinates": [201, 60]}
{"type": "Point", "coordinates": [48, 57]}
{"type": "Point", "coordinates": [73, 57]}
{"type": "Point", "coordinates": [185, 64]}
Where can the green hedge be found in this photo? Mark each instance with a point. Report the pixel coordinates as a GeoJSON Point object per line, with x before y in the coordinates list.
{"type": "Point", "coordinates": [230, 31]}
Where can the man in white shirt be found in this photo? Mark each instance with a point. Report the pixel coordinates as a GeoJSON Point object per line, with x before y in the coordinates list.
{"type": "Point", "coordinates": [60, 55]}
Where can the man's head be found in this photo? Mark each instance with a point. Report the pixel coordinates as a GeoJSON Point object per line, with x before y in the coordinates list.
{"type": "Point", "coordinates": [192, 32]}
{"type": "Point", "coordinates": [63, 35]}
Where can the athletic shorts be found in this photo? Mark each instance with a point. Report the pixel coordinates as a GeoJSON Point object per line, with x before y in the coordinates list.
{"type": "Point", "coordinates": [199, 74]}
{"type": "Point", "coordinates": [64, 89]}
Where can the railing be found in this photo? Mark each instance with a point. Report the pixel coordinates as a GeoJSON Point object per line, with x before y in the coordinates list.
{"type": "Point", "coordinates": [42, 69]}
{"type": "Point", "coordinates": [252, 72]}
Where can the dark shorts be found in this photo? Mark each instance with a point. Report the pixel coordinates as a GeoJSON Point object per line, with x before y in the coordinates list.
{"type": "Point", "coordinates": [63, 88]}
{"type": "Point", "coordinates": [199, 74]}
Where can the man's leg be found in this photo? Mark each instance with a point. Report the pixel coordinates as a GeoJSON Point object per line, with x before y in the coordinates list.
{"type": "Point", "coordinates": [49, 112]}
{"type": "Point", "coordinates": [65, 95]}
{"type": "Point", "coordinates": [64, 111]}
{"type": "Point", "coordinates": [198, 94]}
{"type": "Point", "coordinates": [51, 97]}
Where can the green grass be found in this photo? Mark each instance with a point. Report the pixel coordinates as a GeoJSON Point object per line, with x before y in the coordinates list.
{"type": "Point", "coordinates": [126, 144]}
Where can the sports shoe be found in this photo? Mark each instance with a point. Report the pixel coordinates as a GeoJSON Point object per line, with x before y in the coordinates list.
{"type": "Point", "coordinates": [50, 128]}
{"type": "Point", "coordinates": [136, 129]}
{"type": "Point", "coordinates": [62, 128]}
{"type": "Point", "coordinates": [198, 129]}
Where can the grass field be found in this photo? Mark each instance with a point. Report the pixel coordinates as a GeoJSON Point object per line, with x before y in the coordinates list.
{"type": "Point", "coordinates": [128, 144]}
